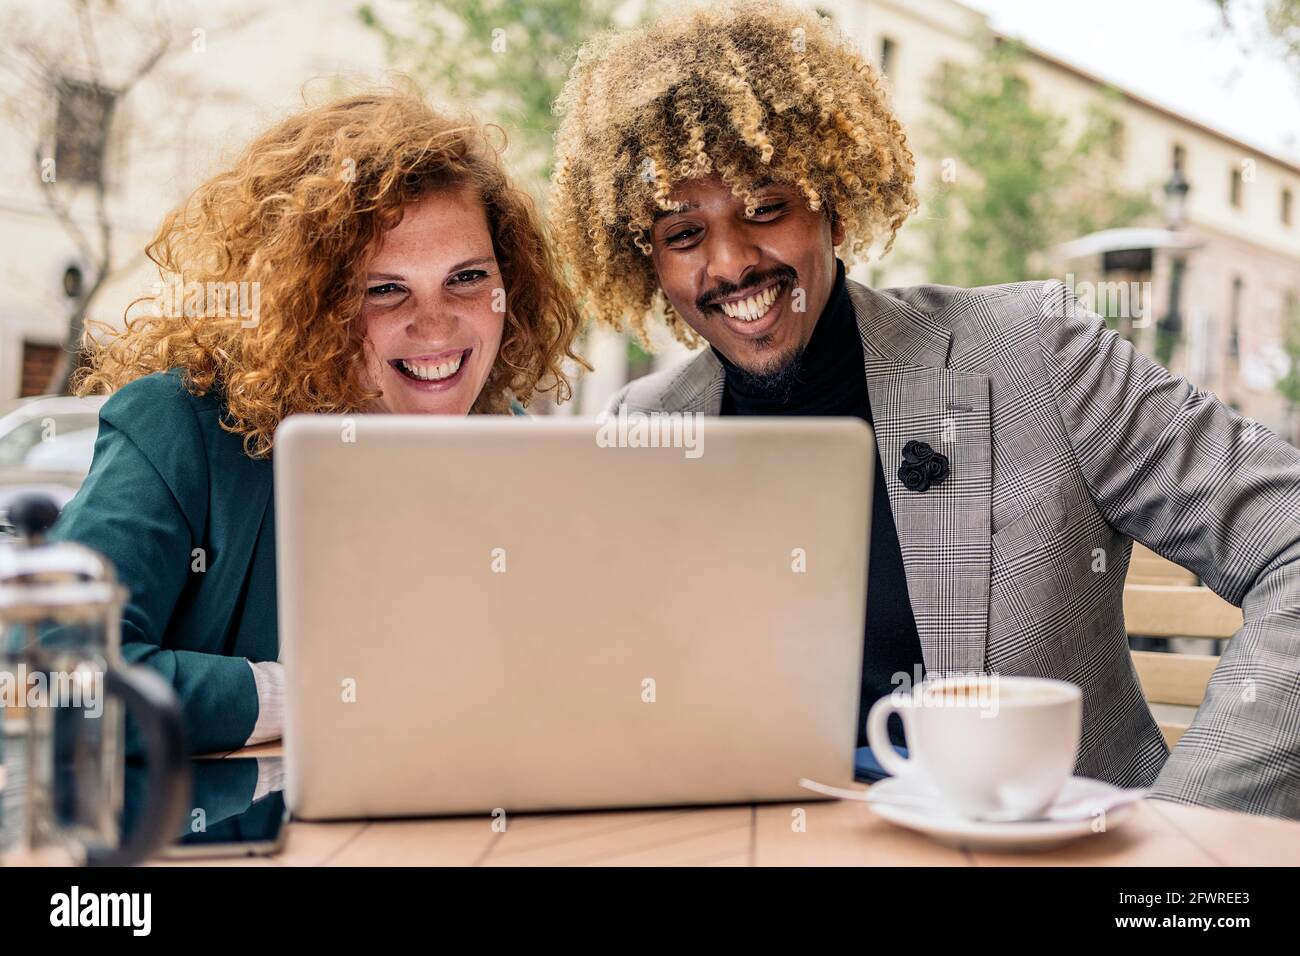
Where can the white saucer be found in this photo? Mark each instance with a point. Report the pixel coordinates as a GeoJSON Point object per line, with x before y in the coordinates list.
{"type": "Point", "coordinates": [947, 828]}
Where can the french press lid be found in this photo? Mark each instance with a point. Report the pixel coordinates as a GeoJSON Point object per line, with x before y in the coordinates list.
{"type": "Point", "coordinates": [41, 579]}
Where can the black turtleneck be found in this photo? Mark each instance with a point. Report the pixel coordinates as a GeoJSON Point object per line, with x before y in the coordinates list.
{"type": "Point", "coordinates": [832, 381]}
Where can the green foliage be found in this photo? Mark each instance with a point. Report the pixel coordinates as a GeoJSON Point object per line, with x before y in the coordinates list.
{"type": "Point", "coordinates": [1280, 21]}
{"type": "Point", "coordinates": [506, 60]}
{"type": "Point", "coordinates": [639, 361]}
{"type": "Point", "coordinates": [1288, 386]}
{"type": "Point", "coordinates": [1166, 345]}
{"type": "Point", "coordinates": [1017, 180]}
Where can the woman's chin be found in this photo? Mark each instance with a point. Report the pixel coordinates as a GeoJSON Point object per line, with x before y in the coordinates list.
{"type": "Point", "coordinates": [442, 405]}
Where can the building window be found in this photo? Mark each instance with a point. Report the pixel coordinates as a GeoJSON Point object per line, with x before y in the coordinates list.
{"type": "Point", "coordinates": [1286, 207]}
{"type": "Point", "coordinates": [85, 111]}
{"type": "Point", "coordinates": [1115, 138]}
{"type": "Point", "coordinates": [888, 54]}
{"type": "Point", "coordinates": [1234, 188]}
{"type": "Point", "coordinates": [1180, 157]}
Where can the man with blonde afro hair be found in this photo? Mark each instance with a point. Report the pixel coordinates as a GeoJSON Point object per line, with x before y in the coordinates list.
{"type": "Point", "coordinates": [716, 169]}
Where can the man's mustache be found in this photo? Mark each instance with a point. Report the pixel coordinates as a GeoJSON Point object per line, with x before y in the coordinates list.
{"type": "Point", "coordinates": [725, 290]}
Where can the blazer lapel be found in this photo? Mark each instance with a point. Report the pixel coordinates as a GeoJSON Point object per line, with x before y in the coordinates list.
{"type": "Point", "coordinates": [241, 491]}
{"type": "Point", "coordinates": [697, 387]}
{"type": "Point", "coordinates": [943, 532]}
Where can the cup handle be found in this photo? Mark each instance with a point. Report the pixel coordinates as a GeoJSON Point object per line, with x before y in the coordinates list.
{"type": "Point", "coordinates": [151, 700]}
{"type": "Point", "coordinates": [878, 736]}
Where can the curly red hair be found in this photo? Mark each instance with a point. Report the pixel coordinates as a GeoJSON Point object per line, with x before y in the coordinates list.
{"type": "Point", "coordinates": [300, 212]}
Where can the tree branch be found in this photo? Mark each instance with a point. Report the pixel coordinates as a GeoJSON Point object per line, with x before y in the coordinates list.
{"type": "Point", "coordinates": [63, 213]}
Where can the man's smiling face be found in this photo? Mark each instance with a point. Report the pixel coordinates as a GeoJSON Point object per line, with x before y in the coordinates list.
{"type": "Point", "coordinates": [751, 286]}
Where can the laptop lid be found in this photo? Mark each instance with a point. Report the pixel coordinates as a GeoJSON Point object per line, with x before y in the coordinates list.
{"type": "Point", "coordinates": [546, 614]}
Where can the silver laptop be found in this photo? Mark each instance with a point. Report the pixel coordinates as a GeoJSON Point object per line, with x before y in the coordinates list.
{"type": "Point", "coordinates": [523, 614]}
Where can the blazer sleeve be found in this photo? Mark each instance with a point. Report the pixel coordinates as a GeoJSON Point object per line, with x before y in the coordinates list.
{"type": "Point", "coordinates": [619, 400]}
{"type": "Point", "coordinates": [143, 506]}
{"type": "Point", "coordinates": [1171, 466]}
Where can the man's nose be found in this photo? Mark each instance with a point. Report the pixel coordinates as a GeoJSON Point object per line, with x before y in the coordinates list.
{"type": "Point", "coordinates": [732, 256]}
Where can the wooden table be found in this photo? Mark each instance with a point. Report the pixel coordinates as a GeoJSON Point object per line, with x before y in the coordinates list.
{"type": "Point", "coordinates": [837, 833]}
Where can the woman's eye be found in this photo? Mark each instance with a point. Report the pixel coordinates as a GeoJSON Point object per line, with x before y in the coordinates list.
{"type": "Point", "coordinates": [379, 291]}
{"type": "Point", "coordinates": [468, 276]}
{"type": "Point", "coordinates": [683, 235]}
{"type": "Point", "coordinates": [769, 209]}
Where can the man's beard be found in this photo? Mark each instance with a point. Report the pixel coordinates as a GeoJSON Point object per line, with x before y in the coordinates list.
{"type": "Point", "coordinates": [775, 383]}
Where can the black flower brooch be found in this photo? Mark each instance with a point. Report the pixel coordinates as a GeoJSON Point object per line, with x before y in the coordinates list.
{"type": "Point", "coordinates": [922, 466]}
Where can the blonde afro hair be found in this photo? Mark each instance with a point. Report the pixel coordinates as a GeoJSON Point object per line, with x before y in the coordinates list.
{"type": "Point", "coordinates": [751, 90]}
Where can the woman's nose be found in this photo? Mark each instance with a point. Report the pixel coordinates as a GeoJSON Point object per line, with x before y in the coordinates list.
{"type": "Point", "coordinates": [430, 322]}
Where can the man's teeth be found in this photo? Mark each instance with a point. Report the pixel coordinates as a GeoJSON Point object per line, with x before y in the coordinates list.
{"type": "Point", "coordinates": [755, 307]}
{"type": "Point", "coordinates": [432, 371]}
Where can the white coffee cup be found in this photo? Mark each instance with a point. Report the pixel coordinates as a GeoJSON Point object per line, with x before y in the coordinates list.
{"type": "Point", "coordinates": [990, 746]}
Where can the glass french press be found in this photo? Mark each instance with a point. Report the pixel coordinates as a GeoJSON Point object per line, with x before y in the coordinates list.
{"type": "Point", "coordinates": [63, 685]}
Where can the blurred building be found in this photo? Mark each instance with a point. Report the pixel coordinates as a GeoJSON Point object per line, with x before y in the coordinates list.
{"type": "Point", "coordinates": [239, 65]}
{"type": "Point", "coordinates": [228, 70]}
{"type": "Point", "coordinates": [1236, 245]}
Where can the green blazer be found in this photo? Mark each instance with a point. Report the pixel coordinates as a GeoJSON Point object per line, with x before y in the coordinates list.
{"type": "Point", "coordinates": [187, 518]}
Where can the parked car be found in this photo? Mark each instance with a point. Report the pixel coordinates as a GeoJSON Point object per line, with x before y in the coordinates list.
{"type": "Point", "coordinates": [46, 444]}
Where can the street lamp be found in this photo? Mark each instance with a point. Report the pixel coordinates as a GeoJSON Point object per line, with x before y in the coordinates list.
{"type": "Point", "coordinates": [1171, 326]}
{"type": "Point", "coordinates": [1176, 191]}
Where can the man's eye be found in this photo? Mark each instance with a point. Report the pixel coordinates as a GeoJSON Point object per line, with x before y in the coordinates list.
{"type": "Point", "coordinates": [684, 234]}
{"type": "Point", "coordinates": [769, 209]}
{"type": "Point", "coordinates": [379, 291]}
{"type": "Point", "coordinates": [468, 276]}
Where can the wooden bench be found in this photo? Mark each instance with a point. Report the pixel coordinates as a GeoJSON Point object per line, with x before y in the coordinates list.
{"type": "Point", "coordinates": [1178, 610]}
{"type": "Point", "coordinates": [1147, 567]}
{"type": "Point", "coordinates": [1174, 683]}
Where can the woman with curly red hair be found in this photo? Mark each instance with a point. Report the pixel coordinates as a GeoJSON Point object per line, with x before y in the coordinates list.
{"type": "Point", "coordinates": [366, 255]}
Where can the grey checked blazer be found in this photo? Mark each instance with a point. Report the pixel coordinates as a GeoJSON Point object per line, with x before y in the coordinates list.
{"type": "Point", "coordinates": [1065, 444]}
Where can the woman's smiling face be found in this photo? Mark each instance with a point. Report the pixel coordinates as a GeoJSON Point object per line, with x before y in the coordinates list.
{"type": "Point", "coordinates": [434, 308]}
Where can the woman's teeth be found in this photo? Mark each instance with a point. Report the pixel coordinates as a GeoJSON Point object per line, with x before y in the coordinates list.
{"type": "Point", "coordinates": [432, 371]}
{"type": "Point", "coordinates": [753, 308]}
